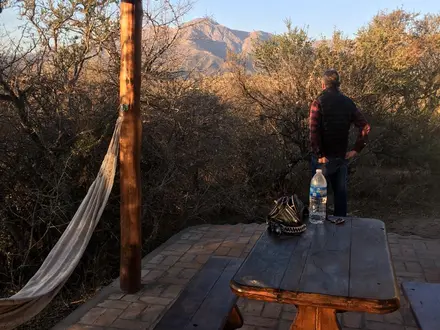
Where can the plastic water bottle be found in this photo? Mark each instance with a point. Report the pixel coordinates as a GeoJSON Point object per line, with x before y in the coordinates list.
{"type": "Point", "coordinates": [318, 198]}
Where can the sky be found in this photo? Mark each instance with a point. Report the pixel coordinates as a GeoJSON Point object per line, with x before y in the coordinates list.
{"type": "Point", "coordinates": [321, 17]}
{"type": "Point", "coordinates": [318, 16]}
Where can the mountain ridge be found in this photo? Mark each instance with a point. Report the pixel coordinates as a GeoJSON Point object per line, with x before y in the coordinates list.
{"type": "Point", "coordinates": [206, 43]}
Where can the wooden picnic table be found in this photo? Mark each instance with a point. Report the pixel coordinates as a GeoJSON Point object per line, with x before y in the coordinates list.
{"type": "Point", "coordinates": [328, 269]}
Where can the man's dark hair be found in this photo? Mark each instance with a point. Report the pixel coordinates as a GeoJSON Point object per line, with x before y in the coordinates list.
{"type": "Point", "coordinates": [330, 78]}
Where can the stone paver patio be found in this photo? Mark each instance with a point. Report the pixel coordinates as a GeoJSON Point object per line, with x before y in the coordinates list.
{"type": "Point", "coordinates": [169, 268]}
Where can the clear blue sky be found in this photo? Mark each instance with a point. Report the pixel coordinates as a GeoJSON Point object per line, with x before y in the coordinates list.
{"type": "Point", "coordinates": [320, 16]}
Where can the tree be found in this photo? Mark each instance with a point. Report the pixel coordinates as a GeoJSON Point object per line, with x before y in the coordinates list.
{"type": "Point", "coordinates": [59, 99]}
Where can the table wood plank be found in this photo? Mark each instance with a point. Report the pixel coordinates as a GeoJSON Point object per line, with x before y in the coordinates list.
{"type": "Point", "coordinates": [424, 299]}
{"type": "Point", "coordinates": [371, 272]}
{"type": "Point", "coordinates": [297, 262]}
{"type": "Point", "coordinates": [327, 269]}
{"type": "Point", "coordinates": [266, 264]}
{"type": "Point", "coordinates": [218, 302]}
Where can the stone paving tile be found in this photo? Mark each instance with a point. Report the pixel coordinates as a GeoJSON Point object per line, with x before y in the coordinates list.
{"type": "Point", "coordinates": [133, 311]}
{"type": "Point", "coordinates": [166, 274]}
{"type": "Point", "coordinates": [91, 316]}
{"type": "Point", "coordinates": [108, 317]}
{"type": "Point", "coordinates": [84, 327]}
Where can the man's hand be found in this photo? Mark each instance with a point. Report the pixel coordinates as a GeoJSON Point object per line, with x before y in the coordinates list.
{"type": "Point", "coordinates": [350, 154]}
{"type": "Point", "coordinates": [322, 160]}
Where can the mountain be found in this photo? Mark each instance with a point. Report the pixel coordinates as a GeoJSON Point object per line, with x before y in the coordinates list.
{"type": "Point", "coordinates": [205, 43]}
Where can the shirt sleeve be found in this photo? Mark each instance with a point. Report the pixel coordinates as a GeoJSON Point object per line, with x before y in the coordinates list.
{"type": "Point", "coordinates": [364, 129]}
{"type": "Point", "coordinates": [315, 132]}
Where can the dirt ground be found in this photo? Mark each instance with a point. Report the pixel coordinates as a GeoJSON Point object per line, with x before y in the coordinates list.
{"type": "Point", "coordinates": [404, 222]}
{"type": "Point", "coordinates": [423, 227]}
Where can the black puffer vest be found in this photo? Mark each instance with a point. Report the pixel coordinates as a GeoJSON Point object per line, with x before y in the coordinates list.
{"type": "Point", "coordinates": [336, 117]}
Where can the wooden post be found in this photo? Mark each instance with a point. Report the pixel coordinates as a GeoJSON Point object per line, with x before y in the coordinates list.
{"type": "Point", "coordinates": [130, 145]}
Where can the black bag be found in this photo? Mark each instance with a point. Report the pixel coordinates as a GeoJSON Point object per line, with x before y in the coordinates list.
{"type": "Point", "coordinates": [288, 216]}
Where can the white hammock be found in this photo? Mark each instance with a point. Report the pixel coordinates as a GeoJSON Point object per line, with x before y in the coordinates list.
{"type": "Point", "coordinates": [64, 257]}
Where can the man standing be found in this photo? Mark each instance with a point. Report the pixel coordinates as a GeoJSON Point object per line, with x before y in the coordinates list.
{"type": "Point", "coordinates": [331, 116]}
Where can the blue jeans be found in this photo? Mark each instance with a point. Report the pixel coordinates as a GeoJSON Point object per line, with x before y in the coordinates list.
{"type": "Point", "coordinates": [335, 172]}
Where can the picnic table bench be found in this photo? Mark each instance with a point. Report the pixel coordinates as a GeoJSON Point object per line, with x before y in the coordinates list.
{"type": "Point", "coordinates": [207, 303]}
{"type": "Point", "coordinates": [424, 299]}
{"type": "Point", "coordinates": [327, 269]}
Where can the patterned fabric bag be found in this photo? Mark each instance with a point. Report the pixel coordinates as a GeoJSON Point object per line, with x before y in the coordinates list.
{"type": "Point", "coordinates": [288, 216]}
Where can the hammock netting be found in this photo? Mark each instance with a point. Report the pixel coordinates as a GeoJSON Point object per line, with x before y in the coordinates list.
{"type": "Point", "coordinates": [66, 254]}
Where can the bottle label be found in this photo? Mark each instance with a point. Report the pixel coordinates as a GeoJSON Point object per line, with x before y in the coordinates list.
{"type": "Point", "coordinates": [318, 192]}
